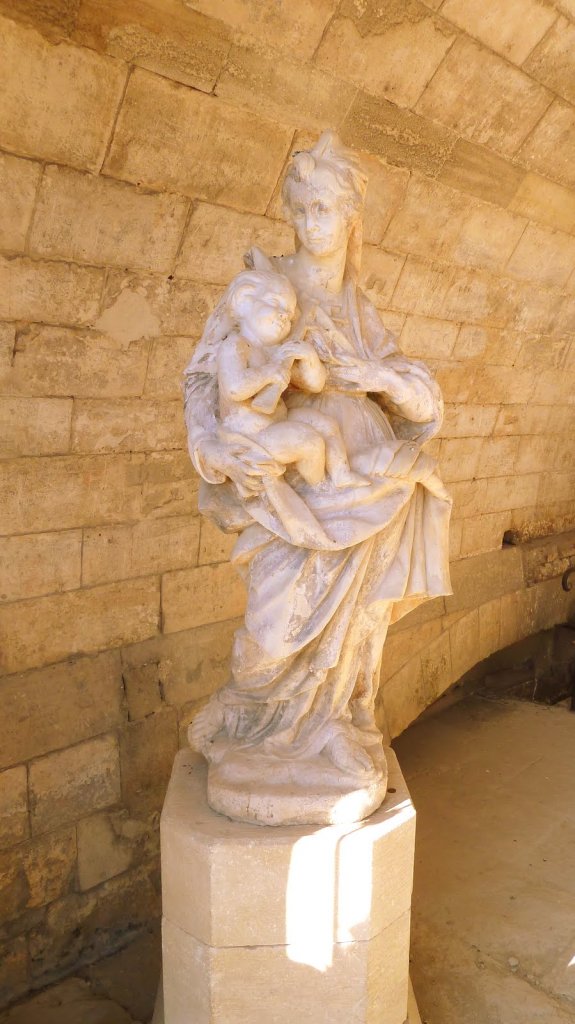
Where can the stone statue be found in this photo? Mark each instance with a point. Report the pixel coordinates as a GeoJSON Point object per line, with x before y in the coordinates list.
{"type": "Point", "coordinates": [307, 426]}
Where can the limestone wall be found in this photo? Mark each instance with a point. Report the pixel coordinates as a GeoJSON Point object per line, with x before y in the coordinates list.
{"type": "Point", "coordinates": [142, 145]}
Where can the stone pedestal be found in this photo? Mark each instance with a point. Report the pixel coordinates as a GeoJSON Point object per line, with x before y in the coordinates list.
{"type": "Point", "coordinates": [288, 924]}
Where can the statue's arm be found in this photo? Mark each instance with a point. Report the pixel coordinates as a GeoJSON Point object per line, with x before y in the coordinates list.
{"type": "Point", "coordinates": [237, 380]}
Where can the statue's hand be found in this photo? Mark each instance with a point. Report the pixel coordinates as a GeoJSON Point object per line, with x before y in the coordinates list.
{"type": "Point", "coordinates": [240, 462]}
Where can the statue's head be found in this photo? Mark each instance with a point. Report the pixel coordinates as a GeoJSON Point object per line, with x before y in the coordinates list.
{"type": "Point", "coordinates": [265, 300]}
{"type": "Point", "coordinates": [323, 195]}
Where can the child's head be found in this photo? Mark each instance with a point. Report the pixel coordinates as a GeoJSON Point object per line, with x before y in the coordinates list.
{"type": "Point", "coordinates": [261, 304]}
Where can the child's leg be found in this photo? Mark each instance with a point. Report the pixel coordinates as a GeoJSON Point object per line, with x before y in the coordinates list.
{"type": "Point", "coordinates": [336, 460]}
{"type": "Point", "coordinates": [296, 443]}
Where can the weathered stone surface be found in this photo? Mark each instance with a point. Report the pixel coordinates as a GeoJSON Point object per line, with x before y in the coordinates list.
{"type": "Point", "coordinates": [34, 426]}
{"type": "Point", "coordinates": [14, 826]}
{"type": "Point", "coordinates": [13, 969]}
{"type": "Point", "coordinates": [545, 201]}
{"type": "Point", "coordinates": [543, 255]}
{"type": "Point", "coordinates": [512, 29]}
{"type": "Point", "coordinates": [194, 597]}
{"type": "Point", "coordinates": [147, 750]}
{"type": "Point", "coordinates": [166, 363]}
{"type": "Point", "coordinates": [41, 113]}
{"type": "Point", "coordinates": [459, 458]}
{"type": "Point", "coordinates": [464, 639]}
{"type": "Point", "coordinates": [111, 843]}
{"type": "Point", "coordinates": [403, 696]}
{"type": "Point", "coordinates": [506, 104]}
{"type": "Point", "coordinates": [553, 61]}
{"type": "Point", "coordinates": [163, 306]}
{"type": "Point", "coordinates": [550, 148]}
{"type": "Point", "coordinates": [143, 689]}
{"type": "Point", "coordinates": [95, 220]}
{"type": "Point", "coordinates": [379, 274]}
{"type": "Point", "coordinates": [548, 558]}
{"type": "Point", "coordinates": [43, 871]}
{"type": "Point", "coordinates": [217, 238]}
{"type": "Point", "coordinates": [401, 136]}
{"type": "Point", "coordinates": [169, 485]}
{"type": "Point", "coordinates": [201, 146]}
{"type": "Point", "coordinates": [39, 563]}
{"type": "Point", "coordinates": [161, 35]}
{"type": "Point", "coordinates": [389, 51]}
{"type": "Point", "coordinates": [72, 783]}
{"type": "Point", "coordinates": [494, 347]}
{"type": "Point", "coordinates": [128, 425]}
{"type": "Point", "coordinates": [69, 491]}
{"type": "Point", "coordinates": [283, 90]}
{"type": "Point", "coordinates": [151, 546]}
{"type": "Point", "coordinates": [215, 546]}
{"type": "Point", "coordinates": [18, 184]}
{"type": "Point", "coordinates": [498, 456]}
{"type": "Point", "coordinates": [59, 293]}
{"type": "Point", "coordinates": [386, 188]}
{"type": "Point", "coordinates": [294, 27]}
{"type": "Point", "coordinates": [484, 578]}
{"type": "Point", "coordinates": [60, 361]}
{"type": "Point", "coordinates": [505, 492]}
{"type": "Point", "coordinates": [59, 706]}
{"type": "Point", "coordinates": [469, 420]}
{"type": "Point", "coordinates": [481, 172]}
{"type": "Point", "coordinates": [48, 629]}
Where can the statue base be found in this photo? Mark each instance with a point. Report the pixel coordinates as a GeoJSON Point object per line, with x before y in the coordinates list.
{"type": "Point", "coordinates": [289, 923]}
{"type": "Point", "coordinates": [270, 791]}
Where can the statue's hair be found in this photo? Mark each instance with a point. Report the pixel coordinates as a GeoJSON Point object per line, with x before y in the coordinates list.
{"type": "Point", "coordinates": [338, 168]}
{"type": "Point", "coordinates": [249, 283]}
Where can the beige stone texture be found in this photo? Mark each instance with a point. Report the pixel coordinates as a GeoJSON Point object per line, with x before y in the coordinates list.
{"type": "Point", "coordinates": [399, 645]}
{"type": "Point", "coordinates": [167, 360]}
{"type": "Point", "coordinates": [204, 857]}
{"type": "Point", "coordinates": [127, 425]}
{"type": "Point", "coordinates": [550, 147]}
{"type": "Point", "coordinates": [512, 29]}
{"type": "Point", "coordinates": [504, 492]}
{"type": "Point", "coordinates": [201, 147]}
{"type": "Point", "coordinates": [422, 287]}
{"type": "Point", "coordinates": [217, 238]}
{"type": "Point", "coordinates": [14, 826]}
{"type": "Point", "coordinates": [389, 50]}
{"type": "Point", "coordinates": [423, 337]}
{"type": "Point", "coordinates": [545, 201]}
{"type": "Point", "coordinates": [498, 456]}
{"type": "Point", "coordinates": [95, 220]}
{"type": "Point", "coordinates": [495, 347]}
{"type": "Point", "coordinates": [553, 61]}
{"type": "Point", "coordinates": [41, 114]}
{"type": "Point", "coordinates": [34, 426]}
{"type": "Point", "coordinates": [147, 750]}
{"type": "Point", "coordinates": [143, 689]}
{"type": "Point", "coordinates": [543, 255]}
{"type": "Point", "coordinates": [72, 783]}
{"type": "Point", "coordinates": [380, 272]}
{"type": "Point", "coordinates": [170, 485]}
{"type": "Point", "coordinates": [483, 533]}
{"type": "Point", "coordinates": [215, 546]}
{"type": "Point", "coordinates": [18, 184]}
{"type": "Point", "coordinates": [48, 629]}
{"type": "Point", "coordinates": [59, 361]}
{"type": "Point", "coordinates": [385, 191]}
{"type": "Point", "coordinates": [400, 136]}
{"type": "Point", "coordinates": [41, 873]}
{"type": "Point", "coordinates": [159, 306]}
{"type": "Point", "coordinates": [284, 91]}
{"type": "Point", "coordinates": [464, 641]}
{"type": "Point", "coordinates": [535, 454]}
{"type": "Point", "coordinates": [403, 695]}
{"type": "Point", "coordinates": [194, 597]}
{"type": "Point", "coordinates": [436, 667]}
{"type": "Point", "coordinates": [14, 971]}
{"type": "Point", "coordinates": [459, 458]}
{"type": "Point", "coordinates": [479, 171]}
{"type": "Point", "coordinates": [151, 546]}
{"type": "Point", "coordinates": [469, 420]}
{"type": "Point", "coordinates": [292, 26]}
{"type": "Point", "coordinates": [505, 104]}
{"type": "Point", "coordinates": [488, 576]}
{"type": "Point", "coordinates": [39, 563]}
{"type": "Point", "coordinates": [109, 844]}
{"type": "Point", "coordinates": [56, 707]}
{"type": "Point", "coordinates": [160, 35]}
{"type": "Point", "coordinates": [49, 292]}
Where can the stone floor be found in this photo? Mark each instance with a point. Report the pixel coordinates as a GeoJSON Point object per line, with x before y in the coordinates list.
{"type": "Point", "coordinates": [494, 903]}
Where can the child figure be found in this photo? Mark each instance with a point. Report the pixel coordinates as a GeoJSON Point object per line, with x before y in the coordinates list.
{"type": "Point", "coordinates": [254, 368]}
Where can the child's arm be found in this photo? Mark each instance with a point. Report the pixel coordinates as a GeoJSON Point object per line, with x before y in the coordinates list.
{"type": "Point", "coordinates": [236, 379]}
{"type": "Point", "coordinates": [308, 371]}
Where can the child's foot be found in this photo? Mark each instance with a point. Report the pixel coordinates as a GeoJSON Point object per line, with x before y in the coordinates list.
{"type": "Point", "coordinates": [206, 725]}
{"type": "Point", "coordinates": [348, 478]}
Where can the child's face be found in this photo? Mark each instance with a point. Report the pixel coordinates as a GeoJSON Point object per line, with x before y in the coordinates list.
{"type": "Point", "coordinates": [269, 316]}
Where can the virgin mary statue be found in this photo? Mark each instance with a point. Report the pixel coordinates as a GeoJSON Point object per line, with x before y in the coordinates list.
{"type": "Point", "coordinates": [291, 737]}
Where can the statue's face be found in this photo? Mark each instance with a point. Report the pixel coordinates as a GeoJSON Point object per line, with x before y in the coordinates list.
{"type": "Point", "coordinates": [269, 316]}
{"type": "Point", "coordinates": [319, 219]}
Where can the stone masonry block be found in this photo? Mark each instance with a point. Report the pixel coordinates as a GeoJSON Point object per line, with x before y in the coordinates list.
{"type": "Point", "coordinates": [147, 750]}
{"type": "Point", "coordinates": [42, 871]}
{"type": "Point", "coordinates": [129, 425]}
{"type": "Point", "coordinates": [547, 257]}
{"type": "Point", "coordinates": [195, 597]}
{"type": "Point", "coordinates": [553, 60]}
{"type": "Point", "coordinates": [545, 201]}
{"type": "Point", "coordinates": [60, 293]}
{"type": "Point", "coordinates": [168, 357]}
{"type": "Point", "coordinates": [39, 563]}
{"type": "Point", "coordinates": [506, 103]}
{"type": "Point", "coordinates": [35, 426]}
{"type": "Point", "coordinates": [480, 579]}
{"type": "Point", "coordinates": [550, 148]}
{"type": "Point", "coordinates": [201, 146]}
{"type": "Point", "coordinates": [95, 220]}
{"type": "Point", "coordinates": [50, 92]}
{"type": "Point", "coordinates": [111, 843]}
{"type": "Point", "coordinates": [14, 826]}
{"type": "Point", "coordinates": [512, 29]}
{"type": "Point", "coordinates": [482, 173]}
{"type": "Point", "coordinates": [18, 183]}
{"type": "Point", "coordinates": [157, 545]}
{"type": "Point", "coordinates": [294, 27]}
{"type": "Point", "coordinates": [216, 871]}
{"type": "Point", "coordinates": [48, 629]}
{"type": "Point", "coordinates": [71, 783]}
{"type": "Point", "coordinates": [57, 707]}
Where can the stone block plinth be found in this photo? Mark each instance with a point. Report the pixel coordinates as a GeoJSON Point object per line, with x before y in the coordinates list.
{"type": "Point", "coordinates": [294, 923]}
